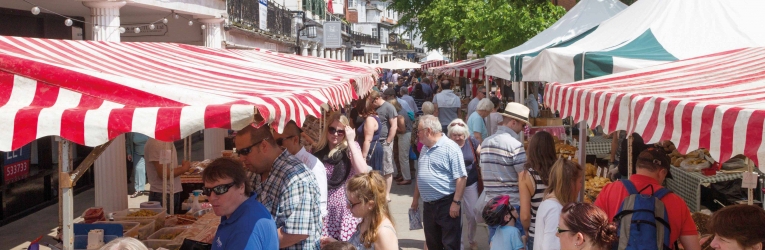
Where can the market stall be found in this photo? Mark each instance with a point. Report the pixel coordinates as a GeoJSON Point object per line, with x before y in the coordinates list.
{"type": "Point", "coordinates": [713, 102]}
{"type": "Point", "coordinates": [471, 69]}
{"type": "Point", "coordinates": [424, 66]}
{"type": "Point", "coordinates": [91, 92]}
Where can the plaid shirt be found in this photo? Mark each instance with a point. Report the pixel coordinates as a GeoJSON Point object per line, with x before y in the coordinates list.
{"type": "Point", "coordinates": [291, 194]}
{"type": "Point", "coordinates": [502, 159]}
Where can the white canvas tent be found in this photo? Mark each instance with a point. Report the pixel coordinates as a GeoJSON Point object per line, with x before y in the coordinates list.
{"type": "Point", "coordinates": [652, 32]}
{"type": "Point", "coordinates": [584, 17]}
{"type": "Point", "coordinates": [433, 55]}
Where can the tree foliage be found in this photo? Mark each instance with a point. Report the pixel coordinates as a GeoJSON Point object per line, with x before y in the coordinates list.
{"type": "Point", "coordinates": [482, 26]}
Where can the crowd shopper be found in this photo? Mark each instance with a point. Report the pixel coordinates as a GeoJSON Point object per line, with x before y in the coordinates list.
{"type": "Point", "coordinates": [566, 178]}
{"type": "Point", "coordinates": [476, 121]}
{"type": "Point", "coordinates": [533, 181]}
{"type": "Point", "coordinates": [369, 130]}
{"type": "Point", "coordinates": [473, 104]}
{"type": "Point", "coordinates": [342, 159]}
{"type": "Point", "coordinates": [153, 152]}
{"type": "Point", "coordinates": [471, 148]}
{"type": "Point", "coordinates": [134, 144]}
{"type": "Point", "coordinates": [245, 222]}
{"type": "Point", "coordinates": [284, 185]}
{"type": "Point", "coordinates": [494, 118]}
{"type": "Point", "coordinates": [447, 104]}
{"type": "Point", "coordinates": [413, 106]}
{"type": "Point", "coordinates": [503, 157]}
{"type": "Point", "coordinates": [738, 227]}
{"type": "Point", "coordinates": [586, 227]}
{"type": "Point", "coordinates": [387, 115]}
{"type": "Point", "coordinates": [289, 139]}
{"type": "Point", "coordinates": [404, 134]}
{"type": "Point", "coordinates": [499, 213]}
{"type": "Point", "coordinates": [441, 181]}
{"type": "Point", "coordinates": [366, 199]}
{"type": "Point", "coordinates": [653, 168]}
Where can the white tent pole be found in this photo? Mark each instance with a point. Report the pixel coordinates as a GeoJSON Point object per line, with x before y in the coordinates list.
{"type": "Point", "coordinates": [65, 186]}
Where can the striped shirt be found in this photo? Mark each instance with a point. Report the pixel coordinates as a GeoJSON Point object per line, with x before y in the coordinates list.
{"type": "Point", "coordinates": [502, 158]}
{"type": "Point", "coordinates": [439, 168]}
{"type": "Point", "coordinates": [536, 199]}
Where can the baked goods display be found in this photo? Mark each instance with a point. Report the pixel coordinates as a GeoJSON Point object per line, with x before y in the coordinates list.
{"type": "Point", "coordinates": [564, 150]}
{"type": "Point", "coordinates": [593, 186]}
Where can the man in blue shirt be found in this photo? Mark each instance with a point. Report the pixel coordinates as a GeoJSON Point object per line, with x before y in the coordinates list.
{"type": "Point", "coordinates": [245, 223]}
{"type": "Point", "coordinates": [441, 179]}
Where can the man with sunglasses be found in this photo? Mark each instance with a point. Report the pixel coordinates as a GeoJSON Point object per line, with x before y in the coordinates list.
{"type": "Point", "coordinates": [289, 140]}
{"type": "Point", "coordinates": [285, 186]}
{"type": "Point", "coordinates": [447, 104]}
{"type": "Point", "coordinates": [474, 103]}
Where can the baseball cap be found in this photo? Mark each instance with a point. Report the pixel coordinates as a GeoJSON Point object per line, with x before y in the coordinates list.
{"type": "Point", "coordinates": [656, 156]}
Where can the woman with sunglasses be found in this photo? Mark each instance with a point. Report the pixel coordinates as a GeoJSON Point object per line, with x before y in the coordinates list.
{"type": "Point", "coordinates": [342, 159]}
{"type": "Point", "coordinates": [458, 132]}
{"type": "Point", "coordinates": [245, 223]}
{"type": "Point", "coordinates": [585, 226]}
{"type": "Point", "coordinates": [564, 185]}
{"type": "Point", "coordinates": [366, 200]}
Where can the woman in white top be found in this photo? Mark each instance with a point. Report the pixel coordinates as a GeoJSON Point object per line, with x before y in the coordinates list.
{"type": "Point", "coordinates": [564, 185]}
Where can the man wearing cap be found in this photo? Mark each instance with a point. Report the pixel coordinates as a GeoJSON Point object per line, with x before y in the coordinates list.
{"type": "Point", "coordinates": [652, 169]}
{"type": "Point", "coordinates": [447, 104]}
{"type": "Point", "coordinates": [503, 157]}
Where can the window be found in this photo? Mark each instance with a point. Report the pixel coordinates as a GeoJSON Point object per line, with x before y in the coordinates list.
{"type": "Point", "coordinates": [351, 4]}
{"type": "Point", "coordinates": [374, 32]}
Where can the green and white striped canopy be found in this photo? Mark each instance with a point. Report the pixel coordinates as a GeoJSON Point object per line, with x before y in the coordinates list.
{"type": "Point", "coordinates": [652, 32]}
{"type": "Point", "coordinates": [578, 22]}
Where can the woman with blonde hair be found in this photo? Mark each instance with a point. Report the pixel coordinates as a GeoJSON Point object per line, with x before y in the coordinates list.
{"type": "Point", "coordinates": [459, 132]}
{"type": "Point", "coordinates": [366, 200]}
{"type": "Point", "coordinates": [342, 158]}
{"type": "Point", "coordinates": [563, 188]}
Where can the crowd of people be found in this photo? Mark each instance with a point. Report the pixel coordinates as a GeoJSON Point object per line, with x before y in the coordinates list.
{"type": "Point", "coordinates": [336, 193]}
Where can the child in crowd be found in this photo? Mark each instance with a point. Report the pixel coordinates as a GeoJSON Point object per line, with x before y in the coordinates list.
{"type": "Point", "coordinates": [499, 212]}
{"type": "Point", "coordinates": [338, 245]}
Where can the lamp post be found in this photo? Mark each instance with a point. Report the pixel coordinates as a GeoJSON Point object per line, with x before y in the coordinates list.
{"type": "Point", "coordinates": [300, 25]}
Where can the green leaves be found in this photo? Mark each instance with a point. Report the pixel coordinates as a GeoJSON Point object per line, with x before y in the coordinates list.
{"type": "Point", "coordinates": [483, 26]}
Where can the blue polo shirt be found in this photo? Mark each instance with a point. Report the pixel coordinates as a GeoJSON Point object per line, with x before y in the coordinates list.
{"type": "Point", "coordinates": [439, 167]}
{"type": "Point", "coordinates": [249, 227]}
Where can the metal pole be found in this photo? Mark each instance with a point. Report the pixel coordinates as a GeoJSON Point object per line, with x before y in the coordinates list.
{"type": "Point", "coordinates": [582, 153]}
{"type": "Point", "coordinates": [65, 187]}
{"type": "Point", "coordinates": [164, 165]}
{"type": "Point", "coordinates": [749, 191]}
{"type": "Point", "coordinates": [629, 156]}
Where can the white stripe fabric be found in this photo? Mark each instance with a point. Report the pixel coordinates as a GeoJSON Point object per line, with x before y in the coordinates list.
{"type": "Point", "coordinates": [465, 69]}
{"type": "Point", "coordinates": [715, 102]}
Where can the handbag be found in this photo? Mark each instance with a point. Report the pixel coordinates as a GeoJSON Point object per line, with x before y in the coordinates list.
{"type": "Point", "coordinates": [477, 162]}
{"type": "Point", "coordinates": [371, 151]}
{"type": "Point", "coordinates": [412, 154]}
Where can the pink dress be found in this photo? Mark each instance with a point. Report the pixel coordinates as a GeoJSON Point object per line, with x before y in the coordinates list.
{"type": "Point", "coordinates": [339, 223]}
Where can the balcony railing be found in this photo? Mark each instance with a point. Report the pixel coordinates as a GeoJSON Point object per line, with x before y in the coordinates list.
{"type": "Point", "coordinates": [364, 38]}
{"type": "Point", "coordinates": [245, 14]}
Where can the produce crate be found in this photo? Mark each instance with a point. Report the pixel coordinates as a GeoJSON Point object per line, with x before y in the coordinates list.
{"type": "Point", "coordinates": [156, 237]}
{"type": "Point", "coordinates": [159, 217]}
{"type": "Point", "coordinates": [129, 228]}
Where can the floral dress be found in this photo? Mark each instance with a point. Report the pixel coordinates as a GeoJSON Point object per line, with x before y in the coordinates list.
{"type": "Point", "coordinates": [339, 223]}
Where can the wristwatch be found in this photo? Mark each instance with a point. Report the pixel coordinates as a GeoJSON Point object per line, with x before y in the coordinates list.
{"type": "Point", "coordinates": [458, 202]}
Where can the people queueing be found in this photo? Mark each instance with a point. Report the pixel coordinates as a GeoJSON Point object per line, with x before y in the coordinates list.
{"type": "Point", "coordinates": [341, 157]}
{"type": "Point", "coordinates": [473, 104]}
{"type": "Point", "coordinates": [585, 226]}
{"type": "Point", "coordinates": [245, 223]}
{"type": "Point", "coordinates": [476, 121]}
{"type": "Point", "coordinates": [503, 157]}
{"type": "Point", "coordinates": [533, 181]}
{"type": "Point", "coordinates": [289, 139]}
{"type": "Point", "coordinates": [499, 213]}
{"type": "Point", "coordinates": [653, 168]}
{"type": "Point", "coordinates": [284, 185]}
{"type": "Point", "coordinates": [441, 181]}
{"type": "Point", "coordinates": [566, 179]}
{"type": "Point", "coordinates": [387, 115]}
{"type": "Point", "coordinates": [154, 154]}
{"type": "Point", "coordinates": [458, 131]}
{"type": "Point", "coordinates": [447, 104]}
{"type": "Point", "coordinates": [366, 199]}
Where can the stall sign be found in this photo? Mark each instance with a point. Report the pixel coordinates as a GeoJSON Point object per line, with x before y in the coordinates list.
{"type": "Point", "coordinates": [16, 164]}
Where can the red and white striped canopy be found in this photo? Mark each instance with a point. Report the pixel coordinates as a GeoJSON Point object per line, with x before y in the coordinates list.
{"type": "Point", "coordinates": [432, 63]}
{"type": "Point", "coordinates": [467, 69]}
{"type": "Point", "coordinates": [90, 92]}
{"type": "Point", "coordinates": [715, 102]}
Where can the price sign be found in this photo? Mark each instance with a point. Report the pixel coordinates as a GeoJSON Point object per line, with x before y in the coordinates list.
{"type": "Point", "coordinates": [16, 164]}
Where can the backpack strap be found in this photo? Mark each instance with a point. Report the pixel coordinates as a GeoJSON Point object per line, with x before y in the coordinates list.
{"type": "Point", "coordinates": [629, 186]}
{"type": "Point", "coordinates": [661, 193]}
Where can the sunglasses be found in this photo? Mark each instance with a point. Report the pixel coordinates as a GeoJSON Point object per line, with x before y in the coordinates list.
{"type": "Point", "coordinates": [280, 141]}
{"type": "Point", "coordinates": [560, 231]}
{"type": "Point", "coordinates": [219, 189]}
{"type": "Point", "coordinates": [245, 151]}
{"type": "Point", "coordinates": [333, 131]}
{"type": "Point", "coordinates": [349, 204]}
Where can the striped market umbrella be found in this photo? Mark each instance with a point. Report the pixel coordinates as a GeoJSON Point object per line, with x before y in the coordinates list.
{"type": "Point", "coordinates": [90, 92]}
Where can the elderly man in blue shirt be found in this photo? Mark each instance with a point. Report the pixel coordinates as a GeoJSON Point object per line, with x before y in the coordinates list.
{"type": "Point", "coordinates": [441, 179]}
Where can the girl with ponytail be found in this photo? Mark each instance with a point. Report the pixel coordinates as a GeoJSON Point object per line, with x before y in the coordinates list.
{"type": "Point", "coordinates": [585, 226]}
{"type": "Point", "coordinates": [366, 200]}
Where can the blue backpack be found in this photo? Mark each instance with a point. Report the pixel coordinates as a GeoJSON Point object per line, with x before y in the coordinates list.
{"type": "Point", "coordinates": [642, 220]}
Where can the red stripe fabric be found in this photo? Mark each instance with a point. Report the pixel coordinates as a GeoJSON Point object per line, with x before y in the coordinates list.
{"type": "Point", "coordinates": [706, 95]}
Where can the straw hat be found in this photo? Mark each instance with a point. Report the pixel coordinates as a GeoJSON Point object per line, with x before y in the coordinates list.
{"type": "Point", "coordinates": [517, 111]}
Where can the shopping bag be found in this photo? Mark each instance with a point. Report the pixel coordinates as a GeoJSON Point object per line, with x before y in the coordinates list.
{"type": "Point", "coordinates": [415, 220]}
{"type": "Point", "coordinates": [478, 209]}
